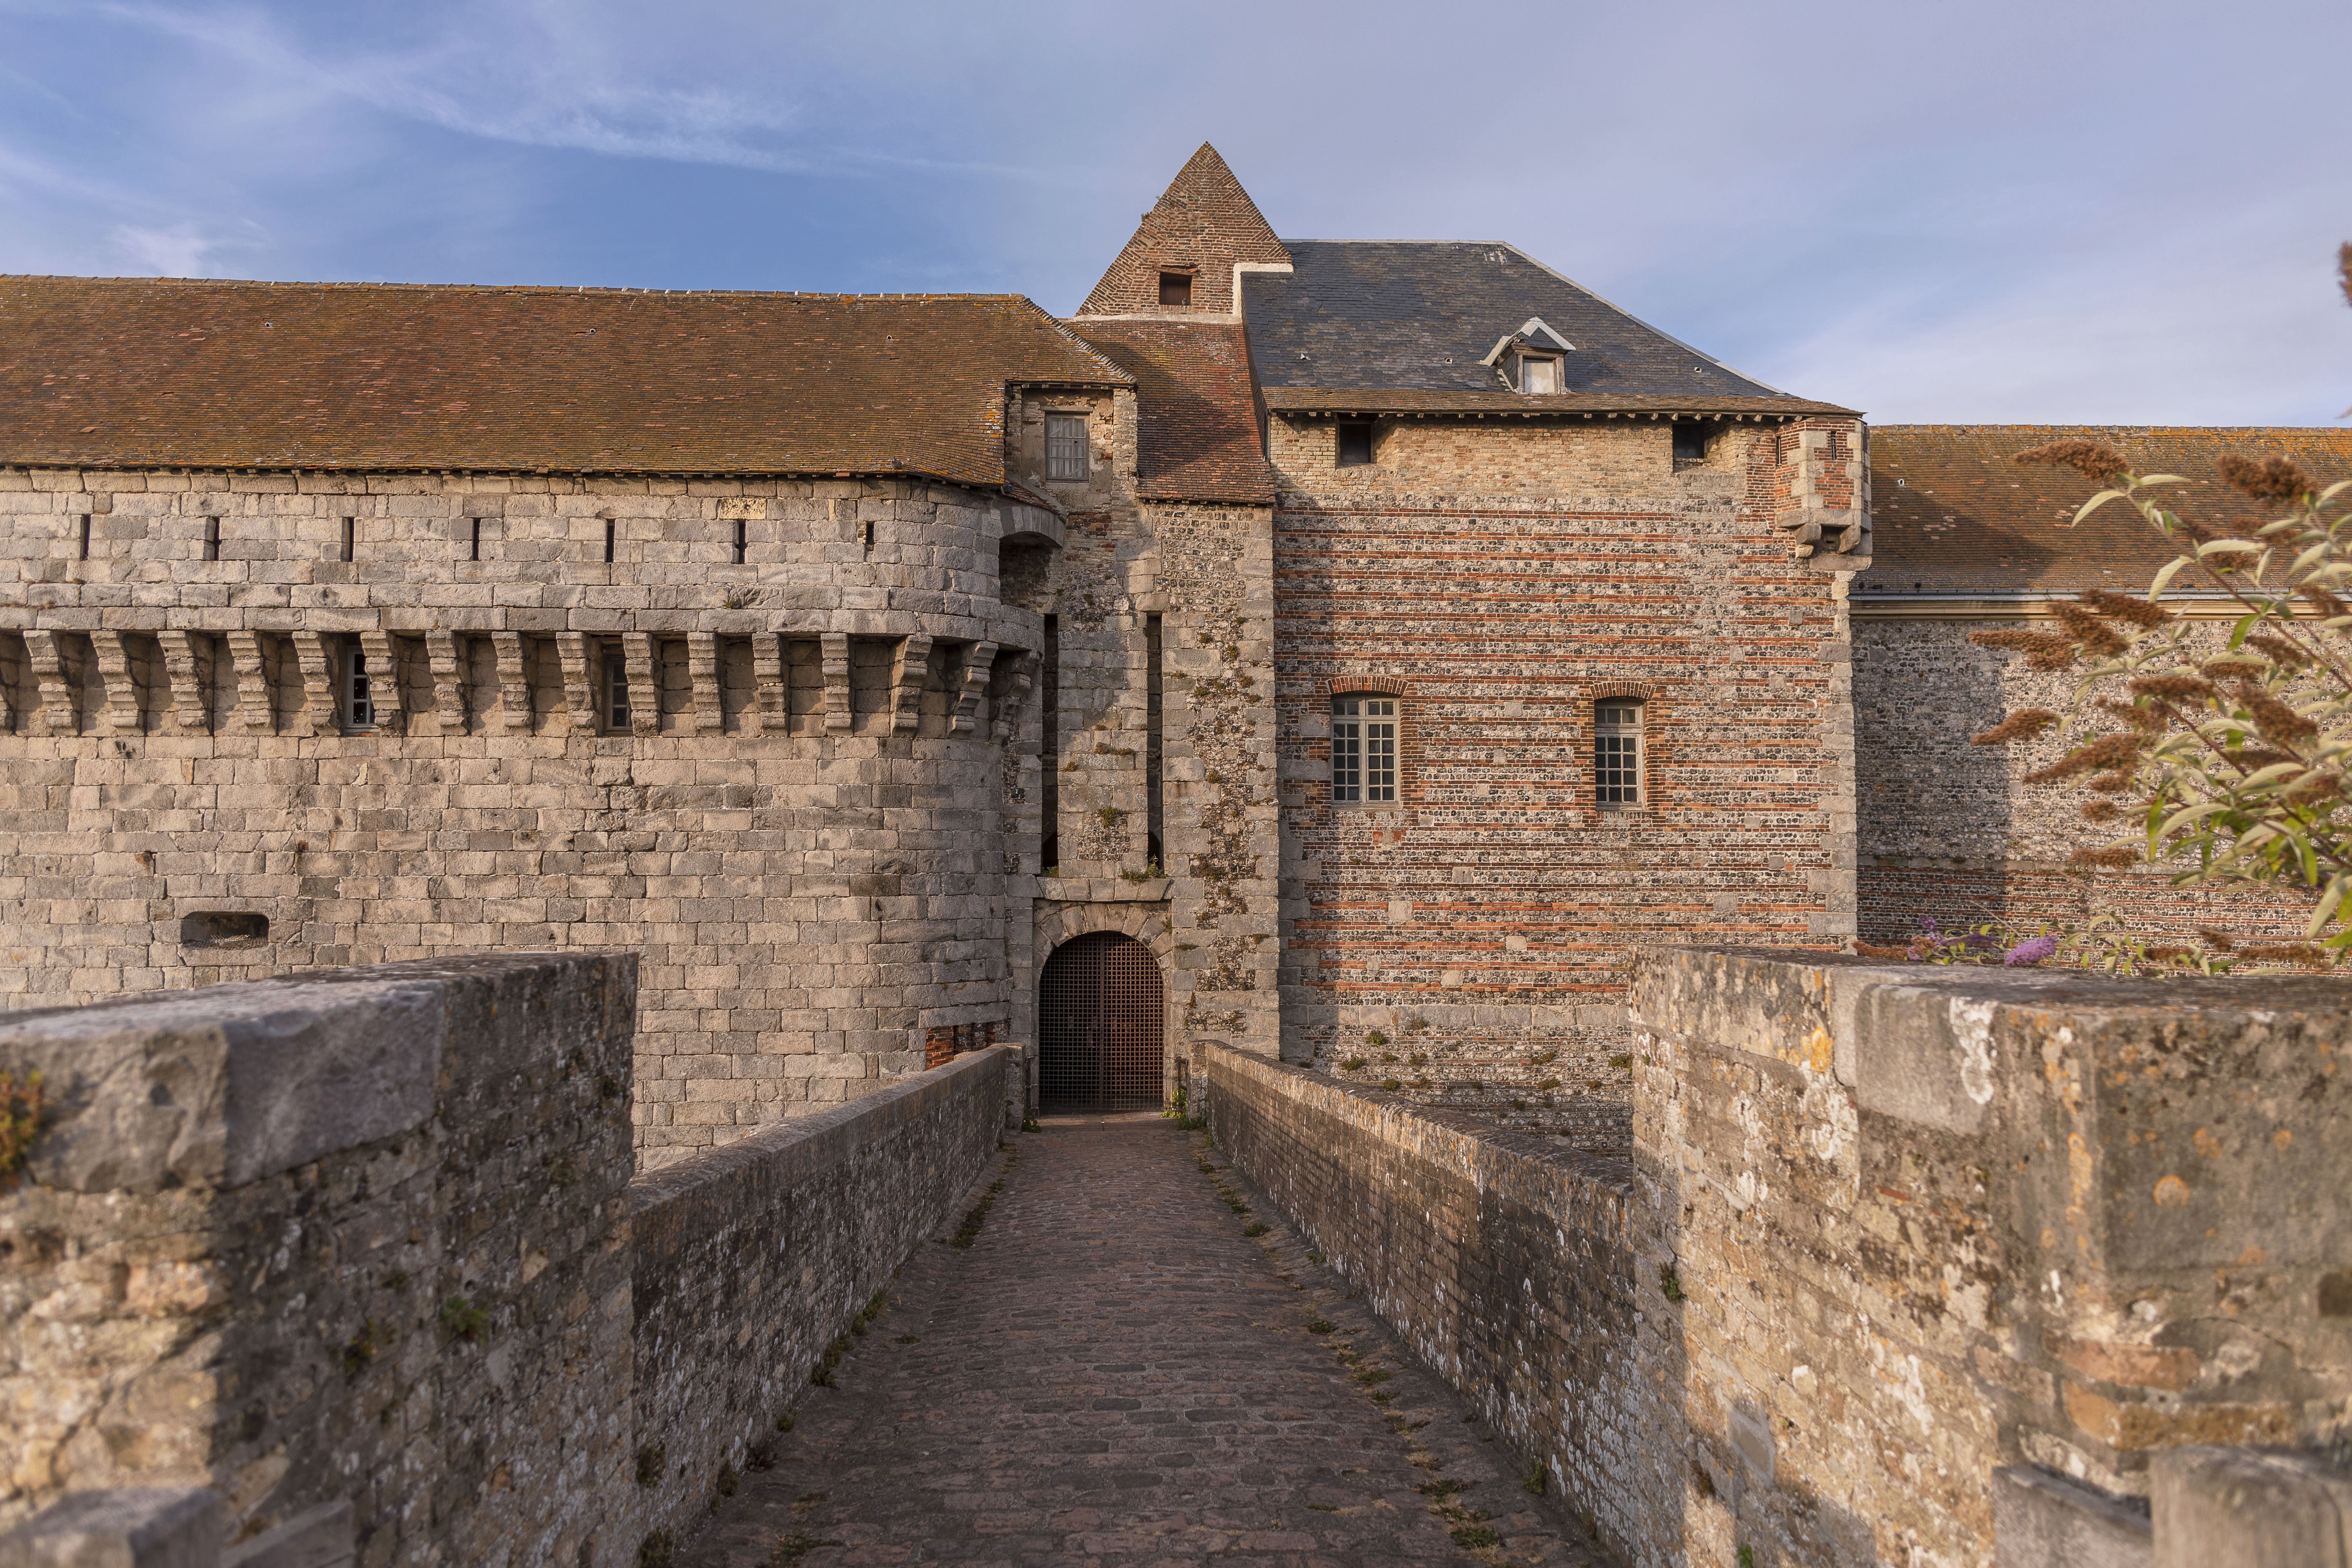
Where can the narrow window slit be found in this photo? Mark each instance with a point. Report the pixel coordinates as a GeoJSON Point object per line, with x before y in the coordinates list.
{"type": "Point", "coordinates": [212, 539]}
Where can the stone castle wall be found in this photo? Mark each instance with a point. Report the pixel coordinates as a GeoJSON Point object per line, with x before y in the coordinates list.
{"type": "Point", "coordinates": [1471, 943]}
{"type": "Point", "coordinates": [803, 821]}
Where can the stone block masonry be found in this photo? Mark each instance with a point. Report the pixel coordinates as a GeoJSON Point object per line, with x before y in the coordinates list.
{"type": "Point", "coordinates": [783, 781]}
{"type": "Point", "coordinates": [1884, 1233]}
{"type": "Point", "coordinates": [370, 1239]}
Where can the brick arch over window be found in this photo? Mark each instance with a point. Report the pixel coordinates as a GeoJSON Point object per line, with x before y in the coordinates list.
{"type": "Point", "coordinates": [1368, 683]}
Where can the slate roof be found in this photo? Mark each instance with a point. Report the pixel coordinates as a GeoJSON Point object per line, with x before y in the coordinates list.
{"type": "Point", "coordinates": [1951, 514]}
{"type": "Point", "coordinates": [1198, 438]}
{"type": "Point", "coordinates": [123, 373]}
{"type": "Point", "coordinates": [1408, 315]}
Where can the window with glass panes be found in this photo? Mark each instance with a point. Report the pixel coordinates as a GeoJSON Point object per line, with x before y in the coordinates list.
{"type": "Point", "coordinates": [1617, 753]}
{"type": "Point", "coordinates": [359, 692]}
{"type": "Point", "coordinates": [1065, 445]}
{"type": "Point", "coordinates": [1363, 749]}
{"type": "Point", "coordinates": [616, 690]}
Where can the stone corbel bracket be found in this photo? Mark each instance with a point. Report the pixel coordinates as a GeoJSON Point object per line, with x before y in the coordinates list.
{"type": "Point", "coordinates": [906, 677]}
{"type": "Point", "coordinates": [979, 661]}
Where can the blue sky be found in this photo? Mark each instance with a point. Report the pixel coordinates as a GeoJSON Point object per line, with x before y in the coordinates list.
{"type": "Point", "coordinates": [1988, 212]}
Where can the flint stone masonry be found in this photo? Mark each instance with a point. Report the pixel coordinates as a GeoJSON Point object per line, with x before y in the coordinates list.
{"type": "Point", "coordinates": [463, 1329]}
{"type": "Point", "coordinates": [1497, 580]}
{"type": "Point", "coordinates": [1884, 1231]}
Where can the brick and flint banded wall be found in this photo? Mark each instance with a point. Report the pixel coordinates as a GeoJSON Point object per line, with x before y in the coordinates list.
{"type": "Point", "coordinates": [815, 825]}
{"type": "Point", "coordinates": [371, 1237]}
{"type": "Point", "coordinates": [1885, 1229]}
{"type": "Point", "coordinates": [1471, 944]}
{"type": "Point", "coordinates": [1951, 832]}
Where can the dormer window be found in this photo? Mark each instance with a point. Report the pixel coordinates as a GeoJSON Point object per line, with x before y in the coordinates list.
{"type": "Point", "coordinates": [1176, 289]}
{"type": "Point", "coordinates": [1532, 360]}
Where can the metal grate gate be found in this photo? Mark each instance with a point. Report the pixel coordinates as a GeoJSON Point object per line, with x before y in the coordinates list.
{"type": "Point", "coordinates": [1099, 1025]}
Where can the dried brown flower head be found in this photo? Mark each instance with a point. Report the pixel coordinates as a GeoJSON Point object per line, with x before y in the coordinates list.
{"type": "Point", "coordinates": [2138, 715]}
{"type": "Point", "coordinates": [2125, 607]}
{"type": "Point", "coordinates": [2042, 650]}
{"type": "Point", "coordinates": [2175, 686]}
{"type": "Point", "coordinates": [2117, 750]}
{"type": "Point", "coordinates": [2021, 725]}
{"type": "Point", "coordinates": [2315, 787]}
{"type": "Point", "coordinates": [2308, 954]}
{"type": "Point", "coordinates": [2094, 633]}
{"type": "Point", "coordinates": [2281, 650]}
{"type": "Point", "coordinates": [2278, 724]}
{"type": "Point", "coordinates": [2225, 666]}
{"type": "Point", "coordinates": [2101, 811]}
{"type": "Point", "coordinates": [2170, 952]}
{"type": "Point", "coordinates": [2113, 858]}
{"type": "Point", "coordinates": [2113, 783]}
{"type": "Point", "coordinates": [2101, 465]}
{"type": "Point", "coordinates": [2271, 478]}
{"type": "Point", "coordinates": [2327, 604]}
{"type": "Point", "coordinates": [2219, 941]}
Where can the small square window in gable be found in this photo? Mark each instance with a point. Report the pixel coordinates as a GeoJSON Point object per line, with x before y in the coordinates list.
{"type": "Point", "coordinates": [1176, 289]}
{"type": "Point", "coordinates": [1355, 447]}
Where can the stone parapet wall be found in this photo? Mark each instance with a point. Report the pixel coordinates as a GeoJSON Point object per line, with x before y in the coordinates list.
{"type": "Point", "coordinates": [369, 1239]}
{"type": "Point", "coordinates": [1885, 1232]}
{"type": "Point", "coordinates": [1502, 1259]}
{"type": "Point", "coordinates": [748, 1260]}
{"type": "Point", "coordinates": [355, 1235]}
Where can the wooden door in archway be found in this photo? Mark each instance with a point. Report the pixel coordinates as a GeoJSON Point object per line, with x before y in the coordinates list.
{"type": "Point", "coordinates": [1099, 1025]}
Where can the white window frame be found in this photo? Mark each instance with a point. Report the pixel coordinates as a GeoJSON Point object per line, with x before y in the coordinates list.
{"type": "Point", "coordinates": [358, 689]}
{"type": "Point", "coordinates": [1549, 366]}
{"type": "Point", "coordinates": [1067, 456]}
{"type": "Point", "coordinates": [1363, 748]}
{"type": "Point", "coordinates": [1618, 780]}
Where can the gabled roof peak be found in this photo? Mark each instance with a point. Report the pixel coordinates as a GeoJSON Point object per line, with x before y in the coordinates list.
{"type": "Point", "coordinates": [1203, 225]}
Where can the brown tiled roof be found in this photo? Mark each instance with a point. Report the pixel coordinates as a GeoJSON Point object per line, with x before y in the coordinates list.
{"type": "Point", "coordinates": [123, 373]}
{"type": "Point", "coordinates": [1204, 222]}
{"type": "Point", "coordinates": [1199, 439]}
{"type": "Point", "coordinates": [1406, 400]}
{"type": "Point", "coordinates": [1951, 514]}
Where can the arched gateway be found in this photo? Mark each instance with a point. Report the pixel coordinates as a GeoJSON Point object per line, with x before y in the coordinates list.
{"type": "Point", "coordinates": [1099, 1025]}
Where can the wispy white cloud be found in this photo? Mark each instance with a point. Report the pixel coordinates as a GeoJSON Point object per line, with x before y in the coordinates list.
{"type": "Point", "coordinates": [178, 251]}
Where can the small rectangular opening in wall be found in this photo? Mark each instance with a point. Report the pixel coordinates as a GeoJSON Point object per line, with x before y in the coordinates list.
{"type": "Point", "coordinates": [212, 539]}
{"type": "Point", "coordinates": [615, 693]}
{"type": "Point", "coordinates": [1690, 441]}
{"type": "Point", "coordinates": [223, 927]}
{"type": "Point", "coordinates": [350, 537]}
{"type": "Point", "coordinates": [473, 540]}
{"type": "Point", "coordinates": [741, 537]}
{"type": "Point", "coordinates": [609, 531]}
{"type": "Point", "coordinates": [359, 687]}
{"type": "Point", "coordinates": [1049, 751]}
{"type": "Point", "coordinates": [1152, 748]}
{"type": "Point", "coordinates": [82, 532]}
{"type": "Point", "coordinates": [1176, 289]}
{"type": "Point", "coordinates": [1355, 449]}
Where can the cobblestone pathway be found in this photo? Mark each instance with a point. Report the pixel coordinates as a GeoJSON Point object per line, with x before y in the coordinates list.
{"type": "Point", "coordinates": [1114, 1373]}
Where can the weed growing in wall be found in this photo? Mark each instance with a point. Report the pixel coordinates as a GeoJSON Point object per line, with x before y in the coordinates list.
{"type": "Point", "coordinates": [464, 1321]}
{"type": "Point", "coordinates": [20, 1123]}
